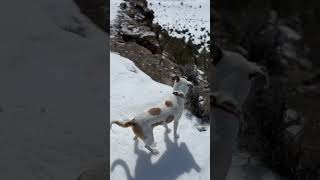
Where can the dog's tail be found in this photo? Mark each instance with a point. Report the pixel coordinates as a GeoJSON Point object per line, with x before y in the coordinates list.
{"type": "Point", "coordinates": [124, 165]}
{"type": "Point", "coordinates": [124, 124]}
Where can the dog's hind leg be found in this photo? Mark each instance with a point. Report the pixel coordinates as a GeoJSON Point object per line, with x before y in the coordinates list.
{"type": "Point", "coordinates": [149, 140]}
{"type": "Point", "coordinates": [167, 128]}
{"type": "Point", "coordinates": [175, 128]}
{"type": "Point", "coordinates": [138, 132]}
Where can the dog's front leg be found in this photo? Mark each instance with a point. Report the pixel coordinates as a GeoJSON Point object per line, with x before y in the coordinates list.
{"type": "Point", "coordinates": [175, 127]}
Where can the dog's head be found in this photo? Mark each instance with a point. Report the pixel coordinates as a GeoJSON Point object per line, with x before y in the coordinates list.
{"type": "Point", "coordinates": [181, 85]}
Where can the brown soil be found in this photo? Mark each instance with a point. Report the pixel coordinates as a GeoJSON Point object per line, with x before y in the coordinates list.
{"type": "Point", "coordinates": [158, 68]}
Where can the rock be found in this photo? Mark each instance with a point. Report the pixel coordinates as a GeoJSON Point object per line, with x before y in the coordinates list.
{"type": "Point", "coordinates": [201, 128]}
{"type": "Point", "coordinates": [289, 51]}
{"type": "Point", "coordinates": [148, 41]}
{"type": "Point", "coordinates": [123, 5]}
{"type": "Point", "coordinates": [290, 33]}
{"type": "Point", "coordinates": [139, 17]}
{"type": "Point", "coordinates": [294, 130]}
{"type": "Point", "coordinates": [141, 3]}
{"type": "Point", "coordinates": [148, 13]}
{"type": "Point", "coordinates": [290, 115]}
{"type": "Point", "coordinates": [131, 12]}
{"type": "Point", "coordinates": [136, 25]}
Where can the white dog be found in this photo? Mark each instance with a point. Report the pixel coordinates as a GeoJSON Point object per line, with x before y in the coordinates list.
{"type": "Point", "coordinates": [166, 112]}
{"type": "Point", "coordinates": [231, 80]}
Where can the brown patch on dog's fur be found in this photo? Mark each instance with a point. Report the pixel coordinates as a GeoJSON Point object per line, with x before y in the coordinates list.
{"type": "Point", "coordinates": [169, 103]}
{"type": "Point", "coordinates": [137, 130]}
{"type": "Point", "coordinates": [154, 111]}
{"type": "Point", "coordinates": [157, 124]}
{"type": "Point", "coordinates": [170, 118]}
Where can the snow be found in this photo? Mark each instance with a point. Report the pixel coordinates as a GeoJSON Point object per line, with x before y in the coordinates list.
{"type": "Point", "coordinates": [200, 72]}
{"type": "Point", "coordinates": [188, 15]}
{"type": "Point", "coordinates": [50, 90]}
{"type": "Point", "coordinates": [132, 91]}
{"type": "Point", "coordinates": [114, 8]}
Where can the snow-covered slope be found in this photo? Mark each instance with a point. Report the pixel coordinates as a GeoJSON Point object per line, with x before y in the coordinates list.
{"type": "Point", "coordinates": [131, 92]}
{"type": "Point", "coordinates": [53, 63]}
{"type": "Point", "coordinates": [193, 15]}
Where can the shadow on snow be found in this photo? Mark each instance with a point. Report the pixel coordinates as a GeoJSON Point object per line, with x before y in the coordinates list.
{"type": "Point", "coordinates": [175, 161]}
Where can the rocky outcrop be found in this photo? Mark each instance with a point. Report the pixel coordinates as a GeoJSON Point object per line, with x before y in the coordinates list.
{"type": "Point", "coordinates": [135, 25]}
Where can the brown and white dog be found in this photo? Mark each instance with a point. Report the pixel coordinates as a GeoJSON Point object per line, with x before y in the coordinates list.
{"type": "Point", "coordinates": [166, 112]}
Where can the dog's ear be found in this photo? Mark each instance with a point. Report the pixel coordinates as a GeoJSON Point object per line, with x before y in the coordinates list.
{"type": "Point", "coordinates": [175, 78]}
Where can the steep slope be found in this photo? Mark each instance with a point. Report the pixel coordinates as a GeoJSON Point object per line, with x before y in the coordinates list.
{"type": "Point", "coordinates": [131, 92]}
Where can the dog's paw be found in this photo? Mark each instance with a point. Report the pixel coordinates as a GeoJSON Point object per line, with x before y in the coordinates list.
{"type": "Point", "coordinates": [155, 152]}
{"type": "Point", "coordinates": [176, 136]}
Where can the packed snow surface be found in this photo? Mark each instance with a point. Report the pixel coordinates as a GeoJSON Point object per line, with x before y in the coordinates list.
{"type": "Point", "coordinates": [132, 91]}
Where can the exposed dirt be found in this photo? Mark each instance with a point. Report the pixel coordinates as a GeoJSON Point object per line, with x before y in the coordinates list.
{"type": "Point", "coordinates": [158, 68]}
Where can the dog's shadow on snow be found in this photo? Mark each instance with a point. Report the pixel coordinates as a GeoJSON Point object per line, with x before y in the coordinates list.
{"type": "Point", "coordinates": [175, 161]}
